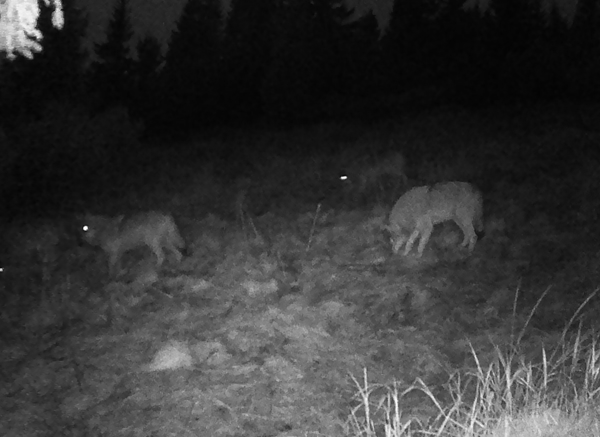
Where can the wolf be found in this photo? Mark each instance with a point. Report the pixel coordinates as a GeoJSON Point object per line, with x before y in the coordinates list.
{"type": "Point", "coordinates": [372, 174]}
{"type": "Point", "coordinates": [117, 235]}
{"type": "Point", "coordinates": [421, 208]}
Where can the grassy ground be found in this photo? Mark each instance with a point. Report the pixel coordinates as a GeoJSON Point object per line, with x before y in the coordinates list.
{"type": "Point", "coordinates": [290, 316]}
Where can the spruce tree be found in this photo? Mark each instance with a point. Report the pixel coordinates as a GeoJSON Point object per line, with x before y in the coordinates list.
{"type": "Point", "coordinates": [111, 73]}
{"type": "Point", "coordinates": [249, 39]}
{"type": "Point", "coordinates": [146, 80]}
{"type": "Point", "coordinates": [56, 73]}
{"type": "Point", "coordinates": [585, 30]}
{"type": "Point", "coordinates": [192, 67]}
{"type": "Point", "coordinates": [406, 45]}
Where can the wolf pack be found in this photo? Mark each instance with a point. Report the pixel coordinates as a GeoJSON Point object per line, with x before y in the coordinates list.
{"type": "Point", "coordinates": [412, 218]}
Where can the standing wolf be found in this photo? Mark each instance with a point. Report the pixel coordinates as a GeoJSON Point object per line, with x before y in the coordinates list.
{"type": "Point", "coordinates": [117, 235]}
{"type": "Point", "coordinates": [421, 208]}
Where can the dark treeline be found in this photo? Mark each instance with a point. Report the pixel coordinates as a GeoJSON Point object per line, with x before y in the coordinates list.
{"type": "Point", "coordinates": [294, 60]}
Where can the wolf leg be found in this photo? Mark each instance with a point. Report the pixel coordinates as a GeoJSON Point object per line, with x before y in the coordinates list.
{"type": "Point", "coordinates": [411, 241]}
{"type": "Point", "coordinates": [174, 250]}
{"type": "Point", "coordinates": [398, 243]}
{"type": "Point", "coordinates": [158, 252]}
{"type": "Point", "coordinates": [470, 237]}
{"type": "Point", "coordinates": [426, 234]}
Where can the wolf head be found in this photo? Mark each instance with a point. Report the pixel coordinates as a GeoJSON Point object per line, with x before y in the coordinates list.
{"type": "Point", "coordinates": [94, 228]}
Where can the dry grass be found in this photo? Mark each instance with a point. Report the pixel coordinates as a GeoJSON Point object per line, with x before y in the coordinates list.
{"type": "Point", "coordinates": [510, 397]}
{"type": "Point", "coordinates": [288, 287]}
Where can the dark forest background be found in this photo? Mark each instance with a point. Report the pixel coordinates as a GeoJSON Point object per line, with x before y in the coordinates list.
{"type": "Point", "coordinates": [294, 61]}
{"type": "Point", "coordinates": [73, 121]}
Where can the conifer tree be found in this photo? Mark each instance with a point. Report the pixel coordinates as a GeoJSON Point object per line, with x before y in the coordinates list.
{"type": "Point", "coordinates": [193, 61]}
{"type": "Point", "coordinates": [56, 73]}
{"type": "Point", "coordinates": [63, 57]}
{"type": "Point", "coordinates": [556, 26]}
{"type": "Point", "coordinates": [248, 51]}
{"type": "Point", "coordinates": [314, 56]}
{"type": "Point", "coordinates": [111, 73]}
{"type": "Point", "coordinates": [146, 80]}
{"type": "Point", "coordinates": [406, 44]}
{"type": "Point", "coordinates": [585, 30]}
{"type": "Point", "coordinates": [517, 23]}
{"type": "Point", "coordinates": [150, 58]}
{"type": "Point", "coordinates": [19, 26]}
{"type": "Point", "coordinates": [584, 50]}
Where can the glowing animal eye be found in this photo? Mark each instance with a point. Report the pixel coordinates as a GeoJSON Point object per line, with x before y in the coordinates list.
{"type": "Point", "coordinates": [343, 178]}
{"type": "Point", "coordinates": [85, 228]}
